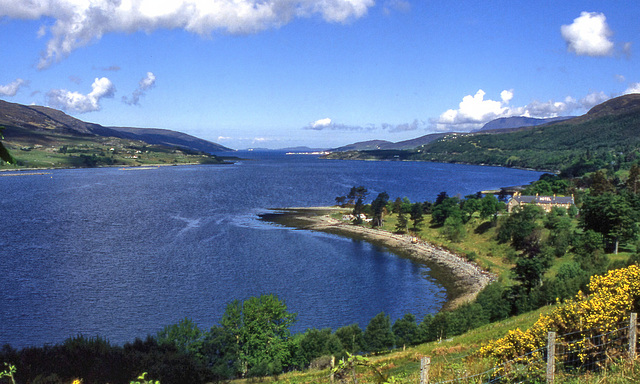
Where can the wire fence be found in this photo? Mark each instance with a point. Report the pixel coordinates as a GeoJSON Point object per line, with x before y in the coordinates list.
{"type": "Point", "coordinates": [566, 355]}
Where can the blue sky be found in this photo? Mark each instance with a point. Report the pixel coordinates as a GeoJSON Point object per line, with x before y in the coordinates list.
{"type": "Point", "coordinates": [282, 73]}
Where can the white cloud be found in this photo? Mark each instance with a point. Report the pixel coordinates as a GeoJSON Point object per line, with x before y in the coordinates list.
{"type": "Point", "coordinates": [78, 23]}
{"type": "Point", "coordinates": [593, 99]}
{"type": "Point", "coordinates": [633, 88]}
{"type": "Point", "coordinates": [77, 102]}
{"type": "Point", "coordinates": [320, 124]}
{"type": "Point", "coordinates": [475, 111]}
{"type": "Point", "coordinates": [145, 84]}
{"type": "Point", "coordinates": [12, 88]}
{"type": "Point", "coordinates": [588, 35]}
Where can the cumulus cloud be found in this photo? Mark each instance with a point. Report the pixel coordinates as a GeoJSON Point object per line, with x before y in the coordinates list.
{"type": "Point", "coordinates": [143, 86]}
{"type": "Point", "coordinates": [78, 23]}
{"type": "Point", "coordinates": [320, 124]}
{"type": "Point", "coordinates": [474, 111]}
{"type": "Point", "coordinates": [633, 88]}
{"type": "Point", "coordinates": [77, 102]}
{"type": "Point", "coordinates": [588, 35]}
{"type": "Point", "coordinates": [12, 88]}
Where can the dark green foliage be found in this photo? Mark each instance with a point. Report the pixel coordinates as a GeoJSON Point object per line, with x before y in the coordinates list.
{"type": "Point", "coordinates": [492, 300]}
{"type": "Point", "coordinates": [454, 229]}
{"type": "Point", "coordinates": [444, 208]}
{"type": "Point", "coordinates": [612, 216]}
{"type": "Point", "coordinates": [315, 343]}
{"type": "Point", "coordinates": [378, 336]}
{"type": "Point", "coordinates": [532, 263]}
{"type": "Point", "coordinates": [401, 225]}
{"type": "Point", "coordinates": [569, 280]}
{"type": "Point", "coordinates": [519, 225]}
{"type": "Point", "coordinates": [356, 193]}
{"type": "Point", "coordinates": [358, 209]}
{"type": "Point", "coordinates": [378, 207]}
{"type": "Point", "coordinates": [405, 330]}
{"type": "Point", "coordinates": [262, 331]}
{"type": "Point", "coordinates": [95, 360]}
{"type": "Point", "coordinates": [4, 153]}
{"type": "Point", "coordinates": [490, 206]}
{"type": "Point", "coordinates": [185, 335]}
{"type": "Point", "coordinates": [417, 214]}
{"type": "Point", "coordinates": [351, 337]}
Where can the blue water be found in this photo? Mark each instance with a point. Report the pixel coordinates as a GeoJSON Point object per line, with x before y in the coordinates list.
{"type": "Point", "coordinates": [122, 253]}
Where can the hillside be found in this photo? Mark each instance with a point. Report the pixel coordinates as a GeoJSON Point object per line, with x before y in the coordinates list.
{"type": "Point", "coordinates": [390, 146]}
{"type": "Point", "coordinates": [609, 134]}
{"type": "Point", "coordinates": [41, 137]}
{"type": "Point", "coordinates": [40, 122]}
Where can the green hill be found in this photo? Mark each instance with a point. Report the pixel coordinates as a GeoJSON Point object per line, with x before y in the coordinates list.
{"type": "Point", "coordinates": [609, 134]}
{"type": "Point", "coordinates": [41, 137]}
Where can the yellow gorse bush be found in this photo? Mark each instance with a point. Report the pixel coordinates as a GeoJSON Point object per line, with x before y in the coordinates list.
{"type": "Point", "coordinates": [612, 298]}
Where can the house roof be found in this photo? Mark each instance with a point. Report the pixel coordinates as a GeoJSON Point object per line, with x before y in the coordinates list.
{"type": "Point", "coordinates": [554, 200]}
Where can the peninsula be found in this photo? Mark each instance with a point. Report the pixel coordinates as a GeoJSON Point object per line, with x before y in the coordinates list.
{"type": "Point", "coordinates": [462, 279]}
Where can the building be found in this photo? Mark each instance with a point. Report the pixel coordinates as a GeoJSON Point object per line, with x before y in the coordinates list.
{"type": "Point", "coordinates": [545, 202]}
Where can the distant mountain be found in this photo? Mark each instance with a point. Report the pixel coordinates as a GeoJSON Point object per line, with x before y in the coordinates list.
{"type": "Point", "coordinates": [388, 145]}
{"type": "Point", "coordinates": [363, 146]}
{"type": "Point", "coordinates": [519, 122]}
{"type": "Point", "coordinates": [39, 123]}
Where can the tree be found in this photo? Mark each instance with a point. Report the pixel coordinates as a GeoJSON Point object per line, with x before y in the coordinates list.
{"type": "Point", "coordinates": [405, 330]}
{"type": "Point", "coordinates": [357, 211]}
{"type": "Point", "coordinates": [185, 335]}
{"type": "Point", "coordinates": [351, 338]}
{"type": "Point", "coordinates": [532, 264]}
{"type": "Point", "coordinates": [260, 327]}
{"type": "Point", "coordinates": [490, 206]}
{"type": "Point", "coordinates": [519, 225]}
{"type": "Point", "coordinates": [600, 184]}
{"type": "Point", "coordinates": [378, 335]}
{"type": "Point", "coordinates": [633, 182]}
{"type": "Point", "coordinates": [417, 215]}
{"type": "Point", "coordinates": [612, 216]}
{"type": "Point", "coordinates": [401, 225]}
{"type": "Point", "coordinates": [453, 228]}
{"type": "Point", "coordinates": [4, 153]}
{"type": "Point", "coordinates": [356, 193]}
{"type": "Point", "coordinates": [449, 206]}
{"type": "Point", "coordinates": [378, 206]}
{"type": "Point", "coordinates": [397, 206]}
{"type": "Point", "coordinates": [315, 343]}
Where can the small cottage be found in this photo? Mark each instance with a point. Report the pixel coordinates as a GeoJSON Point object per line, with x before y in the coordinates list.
{"type": "Point", "coordinates": [545, 202]}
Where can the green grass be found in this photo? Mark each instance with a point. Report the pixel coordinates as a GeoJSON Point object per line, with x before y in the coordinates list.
{"type": "Point", "coordinates": [60, 151]}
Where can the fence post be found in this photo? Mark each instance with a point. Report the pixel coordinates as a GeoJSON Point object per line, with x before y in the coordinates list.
{"type": "Point", "coordinates": [633, 336]}
{"type": "Point", "coordinates": [551, 357]}
{"type": "Point", "coordinates": [425, 362]}
{"type": "Point", "coordinates": [333, 365]}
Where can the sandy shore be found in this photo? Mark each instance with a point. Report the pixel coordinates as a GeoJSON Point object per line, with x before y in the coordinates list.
{"type": "Point", "coordinates": [461, 278]}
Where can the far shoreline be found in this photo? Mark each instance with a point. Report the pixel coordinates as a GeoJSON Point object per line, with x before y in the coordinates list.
{"type": "Point", "coordinates": [462, 280]}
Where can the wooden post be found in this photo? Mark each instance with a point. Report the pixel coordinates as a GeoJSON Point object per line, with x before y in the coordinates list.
{"type": "Point", "coordinates": [633, 336]}
{"type": "Point", "coordinates": [425, 362]}
{"type": "Point", "coordinates": [551, 357]}
{"type": "Point", "coordinates": [333, 365]}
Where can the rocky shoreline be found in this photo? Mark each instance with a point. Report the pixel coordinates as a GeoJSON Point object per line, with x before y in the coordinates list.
{"type": "Point", "coordinates": [467, 278]}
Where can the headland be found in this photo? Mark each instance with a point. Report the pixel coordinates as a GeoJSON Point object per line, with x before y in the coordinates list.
{"type": "Point", "coordinates": [463, 280]}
